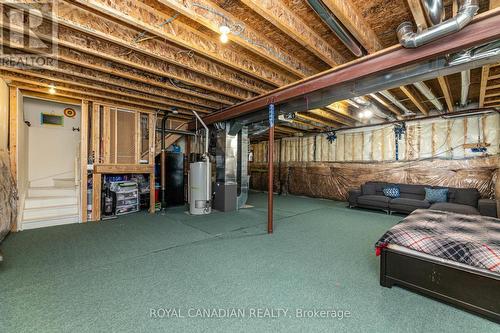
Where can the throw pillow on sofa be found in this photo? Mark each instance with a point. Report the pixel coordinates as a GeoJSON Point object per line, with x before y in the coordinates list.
{"type": "Point", "coordinates": [391, 192]}
{"type": "Point", "coordinates": [434, 195]}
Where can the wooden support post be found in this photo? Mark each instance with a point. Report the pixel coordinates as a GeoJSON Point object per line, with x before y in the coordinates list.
{"type": "Point", "coordinates": [96, 149]}
{"type": "Point", "coordinates": [270, 171]}
{"type": "Point", "coordinates": [96, 139]}
{"type": "Point", "coordinates": [84, 159]}
{"type": "Point", "coordinates": [138, 134]}
{"type": "Point", "coordinates": [96, 196]}
{"type": "Point", "coordinates": [106, 135]}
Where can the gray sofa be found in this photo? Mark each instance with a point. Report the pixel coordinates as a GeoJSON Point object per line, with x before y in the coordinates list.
{"type": "Point", "coordinates": [460, 200]}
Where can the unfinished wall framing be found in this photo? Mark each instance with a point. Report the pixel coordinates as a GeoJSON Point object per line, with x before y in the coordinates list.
{"type": "Point", "coordinates": [434, 152]}
{"type": "Point", "coordinates": [121, 141]}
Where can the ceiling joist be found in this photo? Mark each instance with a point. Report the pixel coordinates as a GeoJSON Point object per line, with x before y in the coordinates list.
{"type": "Point", "coordinates": [212, 17]}
{"type": "Point", "coordinates": [149, 20]}
{"type": "Point", "coordinates": [345, 11]}
{"type": "Point", "coordinates": [81, 27]}
{"type": "Point", "coordinates": [413, 98]}
{"type": "Point", "coordinates": [278, 14]}
{"type": "Point", "coordinates": [74, 87]}
{"type": "Point", "coordinates": [82, 44]}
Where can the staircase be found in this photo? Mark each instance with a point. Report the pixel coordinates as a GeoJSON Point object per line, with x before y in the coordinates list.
{"type": "Point", "coordinates": [52, 205]}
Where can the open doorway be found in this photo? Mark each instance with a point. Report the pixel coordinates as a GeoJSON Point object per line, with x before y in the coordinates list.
{"type": "Point", "coordinates": [51, 149]}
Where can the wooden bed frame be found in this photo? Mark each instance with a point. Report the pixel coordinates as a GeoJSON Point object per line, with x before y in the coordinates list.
{"type": "Point", "coordinates": [471, 290]}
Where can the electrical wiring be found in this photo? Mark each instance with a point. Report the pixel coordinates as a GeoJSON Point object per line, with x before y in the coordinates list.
{"type": "Point", "coordinates": [238, 29]}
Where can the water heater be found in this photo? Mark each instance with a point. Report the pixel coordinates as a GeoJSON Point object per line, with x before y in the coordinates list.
{"type": "Point", "coordinates": [200, 188]}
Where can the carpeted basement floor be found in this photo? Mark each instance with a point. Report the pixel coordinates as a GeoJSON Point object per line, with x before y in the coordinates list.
{"type": "Point", "coordinates": [107, 277]}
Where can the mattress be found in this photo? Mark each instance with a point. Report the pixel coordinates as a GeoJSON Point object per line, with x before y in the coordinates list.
{"type": "Point", "coordinates": [471, 240]}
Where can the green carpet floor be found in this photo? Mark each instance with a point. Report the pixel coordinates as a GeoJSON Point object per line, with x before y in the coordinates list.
{"type": "Point", "coordinates": [107, 277]}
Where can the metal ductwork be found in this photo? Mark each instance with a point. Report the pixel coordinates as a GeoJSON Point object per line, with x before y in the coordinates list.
{"type": "Point", "coordinates": [395, 101]}
{"type": "Point", "coordinates": [366, 105]}
{"type": "Point", "coordinates": [426, 91]}
{"type": "Point", "coordinates": [464, 92]}
{"type": "Point", "coordinates": [333, 23]}
{"type": "Point", "coordinates": [232, 180]}
{"type": "Point", "coordinates": [434, 11]}
{"type": "Point", "coordinates": [410, 39]}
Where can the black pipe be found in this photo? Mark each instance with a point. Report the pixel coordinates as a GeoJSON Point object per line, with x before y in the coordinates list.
{"type": "Point", "coordinates": [163, 165]}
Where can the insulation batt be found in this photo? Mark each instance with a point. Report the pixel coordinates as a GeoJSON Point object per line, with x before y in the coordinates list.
{"type": "Point", "coordinates": [8, 196]}
{"type": "Point", "coordinates": [334, 180]}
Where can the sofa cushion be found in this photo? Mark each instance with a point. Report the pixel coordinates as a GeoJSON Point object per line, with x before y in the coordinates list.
{"type": "Point", "coordinates": [368, 189]}
{"type": "Point", "coordinates": [455, 208]}
{"type": "Point", "coordinates": [391, 191]}
{"type": "Point", "coordinates": [412, 191]}
{"type": "Point", "coordinates": [466, 196]}
{"type": "Point", "coordinates": [374, 201]}
{"type": "Point", "coordinates": [436, 194]}
{"type": "Point", "coordinates": [414, 203]}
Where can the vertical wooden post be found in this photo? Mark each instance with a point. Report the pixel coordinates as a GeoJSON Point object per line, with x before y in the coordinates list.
{"type": "Point", "coordinates": [96, 196]}
{"type": "Point", "coordinates": [106, 135]}
{"type": "Point", "coordinates": [270, 160]}
{"type": "Point", "coordinates": [96, 135]}
{"type": "Point", "coordinates": [96, 149]}
{"type": "Point", "coordinates": [84, 159]}
{"type": "Point", "coordinates": [138, 135]}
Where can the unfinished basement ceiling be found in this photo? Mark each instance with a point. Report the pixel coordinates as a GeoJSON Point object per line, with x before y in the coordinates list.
{"type": "Point", "coordinates": [164, 54]}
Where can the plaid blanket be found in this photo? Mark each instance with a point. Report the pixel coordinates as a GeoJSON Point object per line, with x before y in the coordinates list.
{"type": "Point", "coordinates": [473, 240]}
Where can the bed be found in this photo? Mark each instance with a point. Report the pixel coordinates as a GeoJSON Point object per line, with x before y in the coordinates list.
{"type": "Point", "coordinates": [452, 257]}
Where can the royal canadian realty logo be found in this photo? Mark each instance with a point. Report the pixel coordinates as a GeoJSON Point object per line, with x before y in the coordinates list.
{"type": "Point", "coordinates": [28, 34]}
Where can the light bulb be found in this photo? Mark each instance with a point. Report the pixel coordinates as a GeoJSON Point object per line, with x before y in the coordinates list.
{"type": "Point", "coordinates": [224, 38]}
{"type": "Point", "coordinates": [368, 114]}
{"type": "Point", "coordinates": [52, 89]}
{"type": "Point", "coordinates": [224, 29]}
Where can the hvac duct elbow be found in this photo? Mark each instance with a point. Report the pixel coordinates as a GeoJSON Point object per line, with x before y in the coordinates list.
{"type": "Point", "coordinates": [410, 39]}
{"type": "Point", "coordinates": [434, 11]}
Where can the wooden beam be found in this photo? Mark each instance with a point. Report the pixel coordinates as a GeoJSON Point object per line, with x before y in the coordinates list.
{"type": "Point", "coordinates": [76, 76]}
{"type": "Point", "coordinates": [327, 114]}
{"type": "Point", "coordinates": [123, 168]}
{"type": "Point", "coordinates": [108, 76]}
{"type": "Point", "coordinates": [146, 18]}
{"type": "Point", "coordinates": [211, 16]}
{"type": "Point", "coordinates": [347, 13]}
{"type": "Point", "coordinates": [484, 82]}
{"type": "Point", "coordinates": [342, 110]}
{"type": "Point", "coordinates": [103, 93]}
{"type": "Point", "coordinates": [306, 124]}
{"type": "Point", "coordinates": [287, 129]}
{"type": "Point", "coordinates": [387, 105]}
{"type": "Point", "coordinates": [90, 33]}
{"type": "Point", "coordinates": [282, 17]}
{"type": "Point", "coordinates": [49, 97]}
{"type": "Point", "coordinates": [445, 88]}
{"type": "Point", "coordinates": [84, 127]}
{"type": "Point", "coordinates": [310, 117]}
{"type": "Point", "coordinates": [418, 14]}
{"type": "Point", "coordinates": [96, 196]}
{"type": "Point", "coordinates": [414, 100]}
{"type": "Point", "coordinates": [96, 133]}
